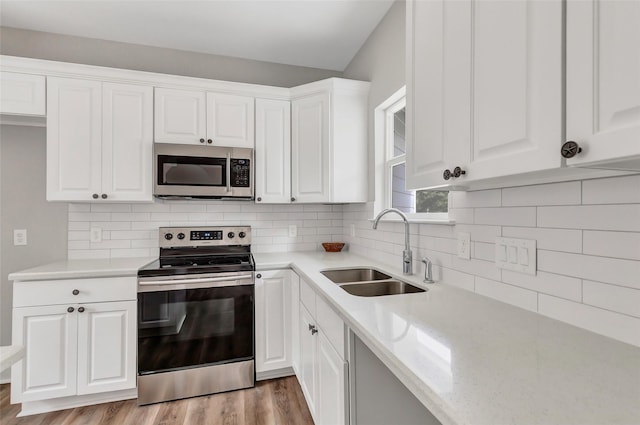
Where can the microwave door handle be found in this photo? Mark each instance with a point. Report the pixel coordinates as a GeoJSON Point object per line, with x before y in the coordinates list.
{"type": "Point", "coordinates": [228, 172]}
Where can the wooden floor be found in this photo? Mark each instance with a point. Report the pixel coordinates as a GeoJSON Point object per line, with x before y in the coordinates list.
{"type": "Point", "coordinates": [273, 402]}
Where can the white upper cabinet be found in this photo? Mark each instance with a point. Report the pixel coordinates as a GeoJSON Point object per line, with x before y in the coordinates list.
{"type": "Point", "coordinates": [329, 141]}
{"type": "Point", "coordinates": [484, 90]}
{"type": "Point", "coordinates": [230, 120]}
{"type": "Point", "coordinates": [273, 151]}
{"type": "Point", "coordinates": [99, 139]}
{"type": "Point", "coordinates": [180, 116]}
{"type": "Point", "coordinates": [603, 83]}
{"type": "Point", "coordinates": [195, 117]}
{"type": "Point", "coordinates": [22, 94]}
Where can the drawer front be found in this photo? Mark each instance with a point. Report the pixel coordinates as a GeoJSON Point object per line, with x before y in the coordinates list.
{"type": "Point", "coordinates": [331, 325]}
{"type": "Point", "coordinates": [308, 297]}
{"type": "Point", "coordinates": [51, 292]}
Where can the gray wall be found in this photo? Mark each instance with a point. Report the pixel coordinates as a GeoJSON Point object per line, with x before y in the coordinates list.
{"type": "Point", "coordinates": [23, 205]}
{"type": "Point", "coordinates": [382, 61]}
{"type": "Point", "coordinates": [65, 48]}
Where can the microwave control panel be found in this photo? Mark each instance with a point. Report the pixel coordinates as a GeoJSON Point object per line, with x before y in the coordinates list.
{"type": "Point", "coordinates": [240, 172]}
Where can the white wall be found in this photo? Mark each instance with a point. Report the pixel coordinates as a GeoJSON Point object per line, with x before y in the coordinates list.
{"type": "Point", "coordinates": [131, 230]}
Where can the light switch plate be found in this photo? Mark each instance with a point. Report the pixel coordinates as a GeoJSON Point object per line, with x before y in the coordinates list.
{"type": "Point", "coordinates": [293, 230]}
{"type": "Point", "coordinates": [20, 237]}
{"type": "Point", "coordinates": [352, 228]}
{"type": "Point", "coordinates": [464, 245]}
{"type": "Point", "coordinates": [519, 255]}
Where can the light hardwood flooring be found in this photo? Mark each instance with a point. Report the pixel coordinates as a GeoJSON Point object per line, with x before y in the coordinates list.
{"type": "Point", "coordinates": [272, 402]}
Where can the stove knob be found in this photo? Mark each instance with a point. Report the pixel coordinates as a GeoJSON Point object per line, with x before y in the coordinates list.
{"type": "Point", "coordinates": [168, 236]}
{"type": "Point", "coordinates": [242, 235]}
{"type": "Point", "coordinates": [180, 236]}
{"type": "Point", "coordinates": [231, 235]}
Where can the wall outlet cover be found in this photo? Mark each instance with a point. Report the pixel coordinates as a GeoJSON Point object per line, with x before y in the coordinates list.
{"type": "Point", "coordinates": [95, 235]}
{"type": "Point", "coordinates": [518, 255]}
{"type": "Point", "coordinates": [352, 230]}
{"type": "Point", "coordinates": [293, 230]}
{"type": "Point", "coordinates": [464, 245]}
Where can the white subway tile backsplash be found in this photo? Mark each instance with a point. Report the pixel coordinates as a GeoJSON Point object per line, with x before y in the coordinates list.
{"type": "Point", "coordinates": [567, 193]}
{"type": "Point", "coordinates": [506, 293]}
{"type": "Point", "coordinates": [550, 239]}
{"type": "Point", "coordinates": [479, 199]}
{"type": "Point", "coordinates": [610, 297]}
{"type": "Point", "coordinates": [616, 190]}
{"type": "Point", "coordinates": [612, 244]}
{"type": "Point", "coordinates": [510, 216]}
{"type": "Point", "coordinates": [601, 269]}
{"type": "Point", "coordinates": [614, 325]}
{"type": "Point", "coordinates": [546, 283]}
{"type": "Point", "coordinates": [486, 269]}
{"type": "Point", "coordinates": [483, 251]}
{"type": "Point", "coordinates": [461, 215]}
{"type": "Point", "coordinates": [591, 217]}
{"type": "Point", "coordinates": [110, 208]}
{"type": "Point", "coordinates": [454, 278]}
{"type": "Point", "coordinates": [479, 233]}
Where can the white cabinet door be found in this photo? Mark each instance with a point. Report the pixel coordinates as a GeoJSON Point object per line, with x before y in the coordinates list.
{"type": "Point", "coordinates": [48, 370]}
{"type": "Point", "coordinates": [332, 373]}
{"type": "Point", "coordinates": [438, 89]}
{"type": "Point", "coordinates": [310, 140]}
{"type": "Point", "coordinates": [74, 122]}
{"type": "Point", "coordinates": [106, 347]}
{"type": "Point", "coordinates": [484, 89]}
{"type": "Point", "coordinates": [603, 82]}
{"type": "Point", "coordinates": [517, 88]}
{"type": "Point", "coordinates": [22, 94]}
{"type": "Point", "coordinates": [230, 120]}
{"type": "Point", "coordinates": [308, 359]}
{"type": "Point", "coordinates": [273, 151]}
{"type": "Point", "coordinates": [273, 320]}
{"type": "Point", "coordinates": [127, 141]}
{"type": "Point", "coordinates": [179, 116]}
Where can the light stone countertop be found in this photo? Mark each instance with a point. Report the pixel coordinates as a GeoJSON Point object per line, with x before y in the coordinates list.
{"type": "Point", "coordinates": [473, 360]}
{"type": "Point", "coordinates": [76, 269]}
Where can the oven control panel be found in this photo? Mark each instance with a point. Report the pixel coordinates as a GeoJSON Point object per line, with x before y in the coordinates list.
{"type": "Point", "coordinates": [179, 237]}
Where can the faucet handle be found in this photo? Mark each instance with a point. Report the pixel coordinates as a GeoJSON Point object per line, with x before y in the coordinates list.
{"type": "Point", "coordinates": [428, 273]}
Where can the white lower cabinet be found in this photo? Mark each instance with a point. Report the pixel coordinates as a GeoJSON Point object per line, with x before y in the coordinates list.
{"type": "Point", "coordinates": [76, 346]}
{"type": "Point", "coordinates": [274, 322]}
{"type": "Point", "coordinates": [323, 372]}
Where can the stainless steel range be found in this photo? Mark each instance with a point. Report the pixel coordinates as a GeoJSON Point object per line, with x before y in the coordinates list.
{"type": "Point", "coordinates": [196, 314]}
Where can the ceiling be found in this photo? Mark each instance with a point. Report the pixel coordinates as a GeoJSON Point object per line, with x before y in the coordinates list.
{"type": "Point", "coordinates": [315, 33]}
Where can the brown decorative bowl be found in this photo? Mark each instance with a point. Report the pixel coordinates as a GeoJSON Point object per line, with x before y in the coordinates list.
{"type": "Point", "coordinates": [333, 246]}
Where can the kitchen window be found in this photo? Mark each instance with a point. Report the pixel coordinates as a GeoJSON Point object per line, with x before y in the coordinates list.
{"type": "Point", "coordinates": [417, 204]}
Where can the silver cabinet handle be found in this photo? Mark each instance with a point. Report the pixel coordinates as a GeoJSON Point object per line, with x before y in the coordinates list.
{"type": "Point", "coordinates": [228, 172]}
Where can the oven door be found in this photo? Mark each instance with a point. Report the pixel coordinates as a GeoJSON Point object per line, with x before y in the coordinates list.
{"type": "Point", "coordinates": [194, 321]}
{"type": "Point", "coordinates": [189, 171]}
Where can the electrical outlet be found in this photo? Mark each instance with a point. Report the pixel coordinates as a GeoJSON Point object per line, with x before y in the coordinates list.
{"type": "Point", "coordinates": [95, 234]}
{"type": "Point", "coordinates": [20, 237]}
{"type": "Point", "coordinates": [352, 229]}
{"type": "Point", "coordinates": [464, 245]}
{"type": "Point", "coordinates": [293, 230]}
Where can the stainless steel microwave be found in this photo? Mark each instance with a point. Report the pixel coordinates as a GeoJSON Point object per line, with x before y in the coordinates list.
{"type": "Point", "coordinates": [208, 172]}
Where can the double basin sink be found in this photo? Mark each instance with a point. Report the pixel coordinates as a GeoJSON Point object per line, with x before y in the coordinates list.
{"type": "Point", "coordinates": [367, 282]}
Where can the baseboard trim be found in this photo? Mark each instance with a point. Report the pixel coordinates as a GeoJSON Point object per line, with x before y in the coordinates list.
{"type": "Point", "coordinates": [62, 403]}
{"type": "Point", "coordinates": [273, 374]}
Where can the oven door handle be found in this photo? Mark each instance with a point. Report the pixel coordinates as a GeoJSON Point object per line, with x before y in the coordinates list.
{"type": "Point", "coordinates": [195, 280]}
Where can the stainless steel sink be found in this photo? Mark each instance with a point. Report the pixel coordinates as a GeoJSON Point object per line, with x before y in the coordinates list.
{"type": "Point", "coordinates": [383, 287]}
{"type": "Point", "coordinates": [367, 282]}
{"type": "Point", "coordinates": [355, 275]}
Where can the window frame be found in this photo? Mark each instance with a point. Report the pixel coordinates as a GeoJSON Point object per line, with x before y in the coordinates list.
{"type": "Point", "coordinates": [386, 160]}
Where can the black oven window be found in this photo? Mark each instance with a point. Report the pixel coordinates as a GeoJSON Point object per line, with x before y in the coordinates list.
{"type": "Point", "coordinates": [195, 327]}
{"type": "Point", "coordinates": [191, 171]}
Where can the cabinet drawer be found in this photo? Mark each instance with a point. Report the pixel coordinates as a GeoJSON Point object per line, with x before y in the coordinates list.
{"type": "Point", "coordinates": [50, 292]}
{"type": "Point", "coordinates": [308, 297]}
{"type": "Point", "coordinates": [331, 325]}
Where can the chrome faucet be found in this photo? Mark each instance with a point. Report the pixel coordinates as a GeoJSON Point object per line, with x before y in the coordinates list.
{"type": "Point", "coordinates": [428, 273]}
{"type": "Point", "coordinates": [407, 259]}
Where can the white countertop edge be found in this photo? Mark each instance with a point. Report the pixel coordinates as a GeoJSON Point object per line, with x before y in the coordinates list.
{"type": "Point", "coordinates": [9, 354]}
{"type": "Point", "coordinates": [77, 269]}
